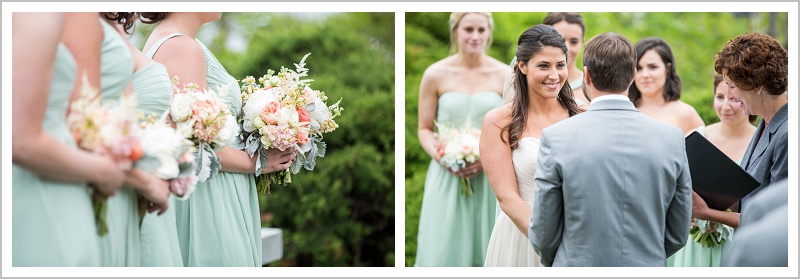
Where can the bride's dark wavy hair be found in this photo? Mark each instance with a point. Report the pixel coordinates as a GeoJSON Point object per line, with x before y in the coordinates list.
{"type": "Point", "coordinates": [530, 43]}
{"type": "Point", "coordinates": [126, 19]}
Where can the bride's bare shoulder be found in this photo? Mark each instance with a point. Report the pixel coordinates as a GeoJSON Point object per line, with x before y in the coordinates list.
{"type": "Point", "coordinates": [499, 116]}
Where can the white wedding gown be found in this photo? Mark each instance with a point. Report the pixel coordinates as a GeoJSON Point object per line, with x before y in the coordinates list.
{"type": "Point", "coordinates": [507, 245]}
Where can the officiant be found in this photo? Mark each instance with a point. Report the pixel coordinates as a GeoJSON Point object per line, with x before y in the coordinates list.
{"type": "Point", "coordinates": [755, 68]}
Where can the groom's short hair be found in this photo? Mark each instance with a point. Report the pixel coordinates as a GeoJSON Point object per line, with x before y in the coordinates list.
{"type": "Point", "coordinates": [611, 61]}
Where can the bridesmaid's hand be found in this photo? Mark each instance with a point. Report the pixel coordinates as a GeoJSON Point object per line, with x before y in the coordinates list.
{"type": "Point", "coordinates": [157, 194]}
{"type": "Point", "coordinates": [109, 177]}
{"type": "Point", "coordinates": [470, 170]}
{"type": "Point", "coordinates": [279, 160]}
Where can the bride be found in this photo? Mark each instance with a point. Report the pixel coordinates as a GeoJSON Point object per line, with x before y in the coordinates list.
{"type": "Point", "coordinates": [509, 142]}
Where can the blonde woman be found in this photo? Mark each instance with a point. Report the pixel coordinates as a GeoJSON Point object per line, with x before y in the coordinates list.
{"type": "Point", "coordinates": [454, 229]}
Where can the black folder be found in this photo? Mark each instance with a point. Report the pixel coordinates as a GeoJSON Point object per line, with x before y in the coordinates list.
{"type": "Point", "coordinates": [715, 177]}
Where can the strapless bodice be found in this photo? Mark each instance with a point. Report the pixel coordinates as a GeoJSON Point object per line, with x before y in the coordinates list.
{"type": "Point", "coordinates": [454, 108]}
{"type": "Point", "coordinates": [524, 159]}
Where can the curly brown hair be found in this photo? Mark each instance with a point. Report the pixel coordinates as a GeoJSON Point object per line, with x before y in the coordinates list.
{"type": "Point", "coordinates": [126, 19]}
{"type": "Point", "coordinates": [754, 60]}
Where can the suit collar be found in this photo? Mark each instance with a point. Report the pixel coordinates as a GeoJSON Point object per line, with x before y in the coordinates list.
{"type": "Point", "coordinates": [612, 104]}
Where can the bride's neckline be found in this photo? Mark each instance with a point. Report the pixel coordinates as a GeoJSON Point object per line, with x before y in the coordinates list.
{"type": "Point", "coordinates": [529, 138]}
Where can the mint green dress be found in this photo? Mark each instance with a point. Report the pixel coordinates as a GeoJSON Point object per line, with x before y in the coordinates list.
{"type": "Point", "coordinates": [219, 224]}
{"type": "Point", "coordinates": [454, 229]}
{"type": "Point", "coordinates": [52, 222]}
{"type": "Point", "coordinates": [159, 234]}
{"type": "Point", "coordinates": [120, 247]}
{"type": "Point", "coordinates": [693, 254]}
{"type": "Point", "coordinates": [578, 84]}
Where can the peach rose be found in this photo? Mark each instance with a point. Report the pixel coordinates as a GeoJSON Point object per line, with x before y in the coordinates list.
{"type": "Point", "coordinates": [302, 138]}
{"type": "Point", "coordinates": [303, 115]}
{"type": "Point", "coordinates": [266, 114]}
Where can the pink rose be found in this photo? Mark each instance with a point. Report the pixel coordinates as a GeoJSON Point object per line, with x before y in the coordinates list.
{"type": "Point", "coordinates": [303, 115]}
{"type": "Point", "coordinates": [205, 109]}
{"type": "Point", "coordinates": [302, 138]}
{"type": "Point", "coordinates": [266, 113]}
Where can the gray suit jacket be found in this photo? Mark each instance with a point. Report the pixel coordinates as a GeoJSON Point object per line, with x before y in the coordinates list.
{"type": "Point", "coordinates": [767, 157]}
{"type": "Point", "coordinates": [772, 197]}
{"type": "Point", "coordinates": [762, 238]}
{"type": "Point", "coordinates": [612, 189]}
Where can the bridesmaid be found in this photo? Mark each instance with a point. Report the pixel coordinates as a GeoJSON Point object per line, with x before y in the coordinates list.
{"type": "Point", "coordinates": [454, 230]}
{"type": "Point", "coordinates": [219, 224]}
{"type": "Point", "coordinates": [52, 220]}
{"type": "Point", "coordinates": [97, 45]}
{"type": "Point", "coordinates": [153, 88]}
{"type": "Point", "coordinates": [656, 88]}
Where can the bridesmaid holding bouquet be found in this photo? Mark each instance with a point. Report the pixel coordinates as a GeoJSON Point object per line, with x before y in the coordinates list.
{"type": "Point", "coordinates": [219, 225]}
{"type": "Point", "coordinates": [454, 228]}
{"type": "Point", "coordinates": [51, 208]}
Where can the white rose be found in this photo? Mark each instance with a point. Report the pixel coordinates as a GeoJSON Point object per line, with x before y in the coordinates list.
{"type": "Point", "coordinates": [168, 168]}
{"type": "Point", "coordinates": [452, 148]}
{"type": "Point", "coordinates": [290, 116]}
{"type": "Point", "coordinates": [158, 139]}
{"type": "Point", "coordinates": [254, 105]}
{"type": "Point", "coordinates": [181, 107]}
{"type": "Point", "coordinates": [319, 114]}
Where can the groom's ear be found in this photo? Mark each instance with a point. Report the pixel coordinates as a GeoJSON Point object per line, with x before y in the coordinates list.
{"type": "Point", "coordinates": [587, 79]}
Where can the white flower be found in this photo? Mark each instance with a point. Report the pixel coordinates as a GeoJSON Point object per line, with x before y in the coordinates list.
{"type": "Point", "coordinates": [226, 135]}
{"type": "Point", "coordinates": [185, 128]}
{"type": "Point", "coordinates": [168, 167]}
{"type": "Point", "coordinates": [307, 147]}
{"type": "Point", "coordinates": [159, 138]}
{"type": "Point", "coordinates": [453, 149]}
{"type": "Point", "coordinates": [253, 107]}
{"type": "Point", "coordinates": [181, 107]}
{"type": "Point", "coordinates": [274, 80]}
{"type": "Point", "coordinates": [319, 114]}
{"type": "Point", "coordinates": [289, 116]}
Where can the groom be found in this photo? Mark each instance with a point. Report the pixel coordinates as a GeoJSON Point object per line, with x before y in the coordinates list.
{"type": "Point", "coordinates": [612, 184]}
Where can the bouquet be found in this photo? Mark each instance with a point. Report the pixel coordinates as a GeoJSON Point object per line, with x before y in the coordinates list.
{"type": "Point", "coordinates": [107, 129]}
{"type": "Point", "coordinates": [282, 111]}
{"type": "Point", "coordinates": [205, 120]}
{"type": "Point", "coordinates": [710, 234]}
{"type": "Point", "coordinates": [169, 155]}
{"type": "Point", "coordinates": [458, 146]}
